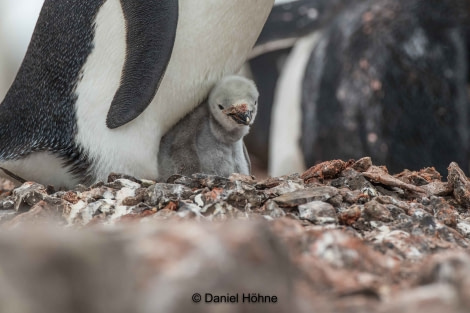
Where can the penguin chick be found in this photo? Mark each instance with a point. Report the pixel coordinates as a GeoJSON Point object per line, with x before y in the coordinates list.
{"type": "Point", "coordinates": [210, 138]}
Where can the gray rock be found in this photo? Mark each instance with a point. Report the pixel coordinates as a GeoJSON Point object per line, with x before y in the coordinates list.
{"type": "Point", "coordinates": [273, 210]}
{"type": "Point", "coordinates": [189, 210]}
{"type": "Point", "coordinates": [115, 176]}
{"type": "Point", "coordinates": [58, 271]}
{"type": "Point", "coordinates": [376, 211]}
{"type": "Point", "coordinates": [243, 195]}
{"type": "Point", "coordinates": [28, 195]}
{"type": "Point", "coordinates": [161, 194]}
{"type": "Point", "coordinates": [7, 204]}
{"type": "Point", "coordinates": [184, 180]}
{"type": "Point", "coordinates": [229, 258]}
{"type": "Point", "coordinates": [6, 215]}
{"type": "Point", "coordinates": [292, 199]}
{"type": "Point", "coordinates": [211, 181]}
{"type": "Point", "coordinates": [222, 211]}
{"type": "Point", "coordinates": [120, 183]}
{"type": "Point", "coordinates": [433, 298]}
{"type": "Point", "coordinates": [284, 187]}
{"type": "Point", "coordinates": [272, 182]}
{"type": "Point", "coordinates": [351, 179]}
{"type": "Point", "coordinates": [464, 229]}
{"type": "Point", "coordinates": [318, 212]}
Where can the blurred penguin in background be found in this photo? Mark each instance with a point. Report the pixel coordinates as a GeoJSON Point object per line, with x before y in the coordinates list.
{"type": "Point", "coordinates": [289, 23]}
{"type": "Point", "coordinates": [383, 78]}
{"type": "Point", "coordinates": [389, 79]}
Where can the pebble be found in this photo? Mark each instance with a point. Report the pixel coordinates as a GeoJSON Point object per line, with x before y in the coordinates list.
{"type": "Point", "coordinates": [318, 212]}
{"type": "Point", "coordinates": [344, 233]}
{"type": "Point", "coordinates": [296, 198]}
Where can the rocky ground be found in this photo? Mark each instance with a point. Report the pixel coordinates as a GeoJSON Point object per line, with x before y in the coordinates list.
{"type": "Point", "coordinates": [341, 237]}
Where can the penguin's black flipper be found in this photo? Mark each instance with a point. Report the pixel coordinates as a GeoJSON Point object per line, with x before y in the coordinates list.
{"type": "Point", "coordinates": [151, 32]}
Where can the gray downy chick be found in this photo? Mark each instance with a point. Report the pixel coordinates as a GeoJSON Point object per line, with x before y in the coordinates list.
{"type": "Point", "coordinates": [210, 138]}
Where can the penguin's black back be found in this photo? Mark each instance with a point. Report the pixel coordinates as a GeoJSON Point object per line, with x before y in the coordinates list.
{"type": "Point", "coordinates": [373, 88]}
{"type": "Point", "coordinates": [38, 111]}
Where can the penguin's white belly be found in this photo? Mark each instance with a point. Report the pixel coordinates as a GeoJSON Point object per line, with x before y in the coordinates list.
{"type": "Point", "coordinates": [213, 39]}
{"type": "Point", "coordinates": [41, 167]}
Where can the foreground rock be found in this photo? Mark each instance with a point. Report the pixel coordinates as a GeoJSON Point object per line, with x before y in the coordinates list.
{"type": "Point", "coordinates": [342, 237]}
{"type": "Point", "coordinates": [153, 267]}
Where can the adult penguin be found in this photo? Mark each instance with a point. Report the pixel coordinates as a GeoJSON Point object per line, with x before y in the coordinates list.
{"type": "Point", "coordinates": [103, 80]}
{"type": "Point", "coordinates": [280, 51]}
{"type": "Point", "coordinates": [388, 79]}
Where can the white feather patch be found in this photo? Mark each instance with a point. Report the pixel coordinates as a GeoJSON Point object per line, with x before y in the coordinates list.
{"type": "Point", "coordinates": [40, 167]}
{"type": "Point", "coordinates": [285, 154]}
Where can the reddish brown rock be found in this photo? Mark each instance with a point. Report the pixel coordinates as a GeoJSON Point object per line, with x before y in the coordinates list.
{"type": "Point", "coordinates": [71, 197]}
{"type": "Point", "coordinates": [6, 186]}
{"type": "Point", "coordinates": [350, 215]}
{"type": "Point", "coordinates": [380, 175]}
{"type": "Point", "coordinates": [362, 165]}
{"type": "Point", "coordinates": [41, 213]}
{"type": "Point", "coordinates": [325, 170]}
{"type": "Point", "coordinates": [444, 212]}
{"type": "Point", "coordinates": [460, 183]}
{"type": "Point", "coordinates": [420, 178]}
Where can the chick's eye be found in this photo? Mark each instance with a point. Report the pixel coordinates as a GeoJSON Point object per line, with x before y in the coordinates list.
{"type": "Point", "coordinates": [256, 102]}
{"type": "Point", "coordinates": [221, 107]}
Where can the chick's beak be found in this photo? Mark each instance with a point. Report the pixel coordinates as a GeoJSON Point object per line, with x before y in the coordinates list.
{"type": "Point", "coordinates": [242, 118]}
{"type": "Point", "coordinates": [240, 114]}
